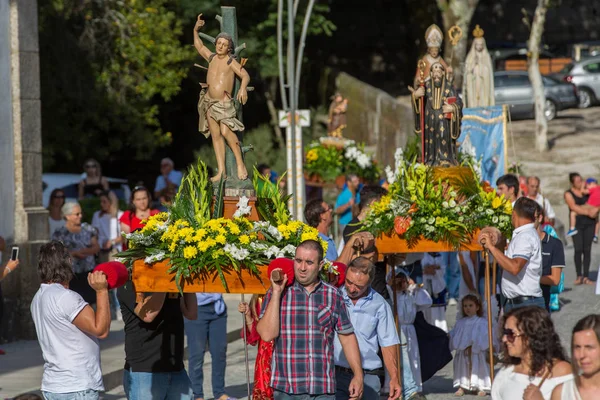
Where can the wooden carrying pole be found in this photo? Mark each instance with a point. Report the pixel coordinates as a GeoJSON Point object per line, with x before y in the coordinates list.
{"type": "Point", "coordinates": [488, 300]}
{"type": "Point", "coordinates": [246, 352]}
{"type": "Point", "coordinates": [494, 276]}
{"type": "Point", "coordinates": [422, 66]}
{"type": "Point", "coordinates": [395, 313]}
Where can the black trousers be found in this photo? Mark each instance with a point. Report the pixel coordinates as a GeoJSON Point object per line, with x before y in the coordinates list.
{"type": "Point", "coordinates": [583, 249]}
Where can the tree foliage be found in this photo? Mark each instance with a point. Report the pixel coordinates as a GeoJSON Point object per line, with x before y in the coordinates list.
{"type": "Point", "coordinates": [106, 64]}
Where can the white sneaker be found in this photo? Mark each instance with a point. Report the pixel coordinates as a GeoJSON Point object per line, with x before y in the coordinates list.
{"type": "Point", "coordinates": [452, 302]}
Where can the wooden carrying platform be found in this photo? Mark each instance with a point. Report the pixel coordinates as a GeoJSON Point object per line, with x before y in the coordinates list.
{"type": "Point", "coordinates": [394, 244]}
{"type": "Point", "coordinates": [156, 278]}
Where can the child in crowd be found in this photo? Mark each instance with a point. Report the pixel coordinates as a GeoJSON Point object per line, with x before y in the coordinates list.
{"type": "Point", "coordinates": [592, 207]}
{"type": "Point", "coordinates": [262, 389]}
{"type": "Point", "coordinates": [434, 272]}
{"type": "Point", "coordinates": [470, 340]}
{"type": "Point", "coordinates": [410, 299]}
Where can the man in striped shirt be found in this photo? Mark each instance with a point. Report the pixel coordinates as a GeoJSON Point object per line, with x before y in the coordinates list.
{"type": "Point", "coordinates": [303, 319]}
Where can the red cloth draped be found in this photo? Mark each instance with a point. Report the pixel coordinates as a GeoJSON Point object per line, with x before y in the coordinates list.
{"type": "Point", "coordinates": [262, 368]}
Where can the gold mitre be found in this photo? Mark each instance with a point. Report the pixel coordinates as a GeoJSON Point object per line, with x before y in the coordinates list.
{"type": "Point", "coordinates": [434, 36]}
{"type": "Point", "coordinates": [478, 32]}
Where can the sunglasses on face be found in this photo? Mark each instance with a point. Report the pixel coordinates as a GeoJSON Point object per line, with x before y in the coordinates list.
{"type": "Point", "coordinates": [58, 196]}
{"type": "Point", "coordinates": [511, 336]}
{"type": "Point", "coordinates": [90, 166]}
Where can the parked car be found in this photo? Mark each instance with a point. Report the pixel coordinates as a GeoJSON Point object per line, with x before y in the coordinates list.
{"type": "Point", "coordinates": [514, 88]}
{"type": "Point", "coordinates": [69, 184]}
{"type": "Point", "coordinates": [586, 76]}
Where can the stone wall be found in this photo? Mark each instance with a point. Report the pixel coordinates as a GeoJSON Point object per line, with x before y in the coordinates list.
{"type": "Point", "coordinates": [375, 117]}
{"type": "Point", "coordinates": [23, 221]}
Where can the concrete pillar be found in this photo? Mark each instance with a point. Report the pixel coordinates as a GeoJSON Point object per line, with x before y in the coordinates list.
{"type": "Point", "coordinates": [23, 221]}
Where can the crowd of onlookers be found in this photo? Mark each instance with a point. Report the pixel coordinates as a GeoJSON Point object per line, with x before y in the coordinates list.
{"type": "Point", "coordinates": [327, 339]}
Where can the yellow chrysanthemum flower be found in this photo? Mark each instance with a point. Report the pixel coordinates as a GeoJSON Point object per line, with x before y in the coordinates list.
{"type": "Point", "coordinates": [221, 239]}
{"type": "Point", "coordinates": [199, 235]}
{"type": "Point", "coordinates": [324, 245]}
{"type": "Point", "coordinates": [312, 155]}
{"type": "Point", "coordinates": [217, 253]}
{"type": "Point", "coordinates": [308, 236]}
{"type": "Point", "coordinates": [189, 252]}
{"type": "Point", "coordinates": [234, 228]}
{"type": "Point", "coordinates": [244, 239]}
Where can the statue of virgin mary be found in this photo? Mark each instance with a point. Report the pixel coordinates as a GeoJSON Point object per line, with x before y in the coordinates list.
{"type": "Point", "coordinates": [478, 82]}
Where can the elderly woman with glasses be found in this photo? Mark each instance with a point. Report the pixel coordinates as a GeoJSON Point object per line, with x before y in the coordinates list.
{"type": "Point", "coordinates": [94, 184]}
{"type": "Point", "coordinates": [534, 359]}
{"type": "Point", "coordinates": [81, 239]}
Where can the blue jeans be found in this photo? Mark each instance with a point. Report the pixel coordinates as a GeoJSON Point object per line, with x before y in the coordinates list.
{"type": "Point", "coordinates": [371, 388]}
{"type": "Point", "coordinates": [453, 273]}
{"type": "Point", "coordinates": [212, 328]}
{"type": "Point", "coordinates": [409, 386]}
{"type": "Point", "coordinates": [157, 385]}
{"type": "Point", "coordinates": [538, 301]}
{"type": "Point", "coordinates": [114, 303]}
{"type": "Point", "coordinates": [277, 395]}
{"type": "Point", "coordinates": [81, 395]}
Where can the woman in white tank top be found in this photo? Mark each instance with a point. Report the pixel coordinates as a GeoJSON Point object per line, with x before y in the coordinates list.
{"type": "Point", "coordinates": [534, 360]}
{"type": "Point", "coordinates": [585, 349]}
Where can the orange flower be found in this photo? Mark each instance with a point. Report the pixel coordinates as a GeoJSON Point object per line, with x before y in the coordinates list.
{"type": "Point", "coordinates": [486, 187]}
{"type": "Point", "coordinates": [401, 224]}
{"type": "Point", "coordinates": [413, 208]}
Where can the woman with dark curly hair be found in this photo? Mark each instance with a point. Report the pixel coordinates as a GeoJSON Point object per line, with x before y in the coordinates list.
{"type": "Point", "coordinates": [534, 360]}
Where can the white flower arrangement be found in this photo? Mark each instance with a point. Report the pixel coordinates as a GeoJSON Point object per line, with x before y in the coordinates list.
{"type": "Point", "coordinates": [155, 257]}
{"type": "Point", "coordinates": [243, 208]}
{"type": "Point", "coordinates": [352, 152]}
{"type": "Point", "coordinates": [393, 173]}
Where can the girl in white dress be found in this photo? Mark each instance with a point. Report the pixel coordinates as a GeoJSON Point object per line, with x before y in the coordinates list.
{"type": "Point", "coordinates": [410, 299]}
{"type": "Point", "coordinates": [534, 359]}
{"type": "Point", "coordinates": [470, 340]}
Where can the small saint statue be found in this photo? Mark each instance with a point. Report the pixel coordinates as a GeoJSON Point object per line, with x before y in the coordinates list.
{"type": "Point", "coordinates": [337, 116]}
{"type": "Point", "coordinates": [434, 38]}
{"type": "Point", "coordinates": [216, 107]}
{"type": "Point", "coordinates": [478, 82]}
{"type": "Point", "coordinates": [443, 114]}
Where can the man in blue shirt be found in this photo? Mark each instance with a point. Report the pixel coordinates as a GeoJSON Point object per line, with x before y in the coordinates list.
{"type": "Point", "coordinates": [346, 200]}
{"type": "Point", "coordinates": [168, 177]}
{"type": "Point", "coordinates": [319, 214]}
{"type": "Point", "coordinates": [374, 328]}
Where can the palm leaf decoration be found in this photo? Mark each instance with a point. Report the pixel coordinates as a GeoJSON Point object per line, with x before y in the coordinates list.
{"type": "Point", "coordinates": [271, 203]}
{"type": "Point", "coordinates": [191, 203]}
{"type": "Point", "coordinates": [219, 200]}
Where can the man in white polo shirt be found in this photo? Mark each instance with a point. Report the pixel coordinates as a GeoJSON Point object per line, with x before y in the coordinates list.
{"type": "Point", "coordinates": [522, 263]}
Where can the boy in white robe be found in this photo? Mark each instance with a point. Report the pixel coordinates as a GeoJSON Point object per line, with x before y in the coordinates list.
{"type": "Point", "coordinates": [434, 271]}
{"type": "Point", "coordinates": [410, 299]}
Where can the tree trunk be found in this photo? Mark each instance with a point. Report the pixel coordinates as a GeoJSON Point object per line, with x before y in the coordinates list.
{"type": "Point", "coordinates": [535, 38]}
{"type": "Point", "coordinates": [269, 95]}
{"type": "Point", "coordinates": [457, 12]}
